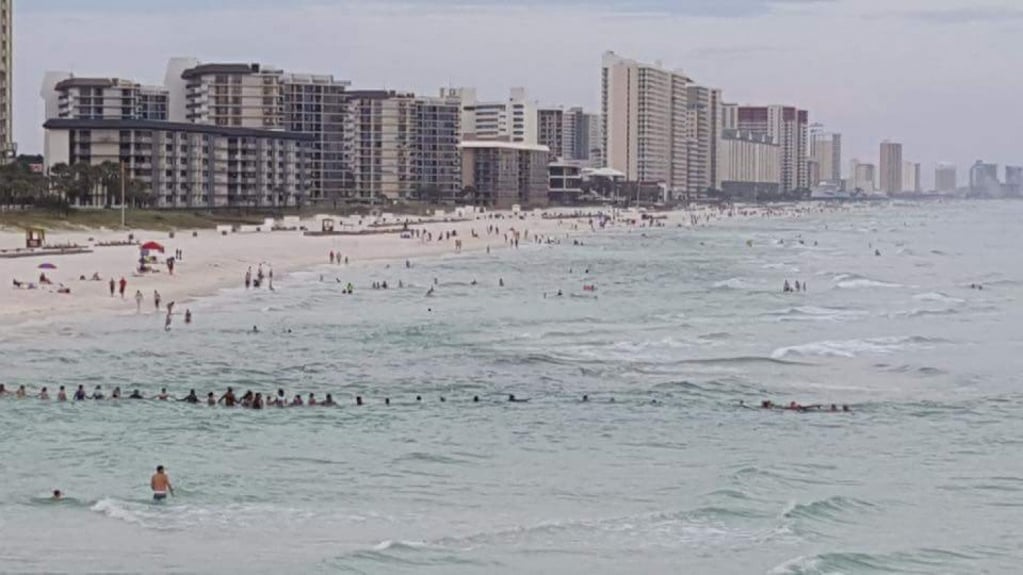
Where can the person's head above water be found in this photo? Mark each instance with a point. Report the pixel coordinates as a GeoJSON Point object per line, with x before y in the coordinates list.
{"type": "Point", "coordinates": [159, 469]}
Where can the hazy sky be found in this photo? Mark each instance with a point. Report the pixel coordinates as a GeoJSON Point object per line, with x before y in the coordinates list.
{"type": "Point", "coordinates": [941, 76]}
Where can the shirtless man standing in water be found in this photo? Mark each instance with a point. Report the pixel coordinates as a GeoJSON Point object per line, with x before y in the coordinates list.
{"type": "Point", "coordinates": [160, 484]}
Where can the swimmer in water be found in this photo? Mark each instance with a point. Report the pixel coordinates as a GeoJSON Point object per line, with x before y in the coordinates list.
{"type": "Point", "coordinates": [328, 401]}
{"type": "Point", "coordinates": [57, 495]}
{"type": "Point", "coordinates": [513, 399]}
{"type": "Point", "coordinates": [163, 396]}
{"type": "Point", "coordinates": [135, 395]}
{"type": "Point", "coordinates": [191, 397]}
{"type": "Point", "coordinates": [43, 394]}
{"type": "Point", "coordinates": [61, 394]}
{"type": "Point", "coordinates": [211, 399]}
{"type": "Point", "coordinates": [160, 484]}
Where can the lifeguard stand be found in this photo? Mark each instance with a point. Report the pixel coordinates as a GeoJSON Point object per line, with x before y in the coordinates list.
{"type": "Point", "coordinates": [35, 237]}
{"type": "Point", "coordinates": [328, 225]}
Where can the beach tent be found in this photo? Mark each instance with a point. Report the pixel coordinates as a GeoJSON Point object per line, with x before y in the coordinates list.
{"type": "Point", "coordinates": [152, 247]}
{"type": "Point", "coordinates": [47, 266]}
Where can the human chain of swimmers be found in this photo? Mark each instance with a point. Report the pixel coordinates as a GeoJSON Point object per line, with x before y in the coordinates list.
{"type": "Point", "coordinates": [256, 400]}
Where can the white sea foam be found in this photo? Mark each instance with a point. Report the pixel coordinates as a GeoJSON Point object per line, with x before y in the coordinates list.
{"type": "Point", "coordinates": [851, 348]}
{"type": "Point", "coordinates": [937, 297]}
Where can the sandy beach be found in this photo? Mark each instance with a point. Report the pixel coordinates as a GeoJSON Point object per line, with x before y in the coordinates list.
{"type": "Point", "coordinates": [211, 261]}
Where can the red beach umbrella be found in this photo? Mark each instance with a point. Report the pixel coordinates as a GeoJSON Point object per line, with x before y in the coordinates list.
{"type": "Point", "coordinates": [152, 247]}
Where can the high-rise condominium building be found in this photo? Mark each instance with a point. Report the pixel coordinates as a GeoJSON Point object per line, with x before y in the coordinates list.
{"type": "Point", "coordinates": [512, 120]}
{"type": "Point", "coordinates": [317, 105]}
{"type": "Point", "coordinates": [503, 174]}
{"type": "Point", "coordinates": [945, 179]}
{"type": "Point", "coordinates": [187, 165]}
{"type": "Point", "coordinates": [704, 133]}
{"type": "Point", "coordinates": [789, 127]}
{"type": "Point", "coordinates": [645, 115]}
{"type": "Point", "coordinates": [862, 177]}
{"type": "Point", "coordinates": [108, 99]}
{"type": "Point", "coordinates": [749, 164]}
{"type": "Point", "coordinates": [891, 167]}
{"type": "Point", "coordinates": [911, 177]}
{"type": "Point", "coordinates": [7, 148]}
{"type": "Point", "coordinates": [582, 137]}
{"type": "Point", "coordinates": [404, 147]}
{"type": "Point", "coordinates": [826, 151]}
{"type": "Point", "coordinates": [551, 131]}
{"type": "Point", "coordinates": [984, 180]}
{"type": "Point", "coordinates": [1013, 181]}
{"type": "Point", "coordinates": [234, 95]}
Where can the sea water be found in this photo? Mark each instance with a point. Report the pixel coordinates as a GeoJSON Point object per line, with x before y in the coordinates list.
{"type": "Point", "coordinates": [661, 471]}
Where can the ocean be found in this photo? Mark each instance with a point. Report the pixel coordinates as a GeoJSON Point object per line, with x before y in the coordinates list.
{"type": "Point", "coordinates": [660, 471]}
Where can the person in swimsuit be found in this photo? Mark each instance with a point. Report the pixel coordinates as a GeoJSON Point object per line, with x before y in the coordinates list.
{"type": "Point", "coordinates": [329, 401]}
{"type": "Point", "coordinates": [21, 393]}
{"type": "Point", "coordinates": [80, 393]}
{"type": "Point", "coordinates": [61, 394]}
{"type": "Point", "coordinates": [191, 397]}
{"type": "Point", "coordinates": [116, 394]}
{"type": "Point", "coordinates": [228, 398]}
{"type": "Point", "coordinates": [160, 484]}
{"type": "Point", "coordinates": [135, 395]}
{"type": "Point", "coordinates": [211, 400]}
{"type": "Point", "coordinates": [297, 402]}
{"type": "Point", "coordinates": [257, 401]}
{"type": "Point", "coordinates": [311, 402]}
{"type": "Point", "coordinates": [44, 394]}
{"type": "Point", "coordinates": [98, 393]}
{"type": "Point", "coordinates": [163, 395]}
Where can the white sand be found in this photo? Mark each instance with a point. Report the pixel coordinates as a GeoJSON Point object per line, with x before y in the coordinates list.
{"type": "Point", "coordinates": [211, 262]}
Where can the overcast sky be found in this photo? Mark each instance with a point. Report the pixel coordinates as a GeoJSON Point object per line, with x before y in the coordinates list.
{"type": "Point", "coordinates": [941, 76]}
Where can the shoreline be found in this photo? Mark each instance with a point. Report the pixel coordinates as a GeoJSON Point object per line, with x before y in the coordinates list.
{"type": "Point", "coordinates": [212, 262]}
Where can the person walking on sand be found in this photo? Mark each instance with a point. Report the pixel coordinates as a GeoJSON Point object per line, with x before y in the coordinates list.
{"type": "Point", "coordinates": [123, 285]}
{"type": "Point", "coordinates": [156, 299]}
{"type": "Point", "coordinates": [188, 317]}
{"type": "Point", "coordinates": [248, 278]}
{"type": "Point", "coordinates": [160, 484]}
{"type": "Point", "coordinates": [138, 301]}
{"type": "Point", "coordinates": [113, 287]}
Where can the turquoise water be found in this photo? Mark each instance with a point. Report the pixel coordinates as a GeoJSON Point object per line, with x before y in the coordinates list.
{"type": "Point", "coordinates": [660, 472]}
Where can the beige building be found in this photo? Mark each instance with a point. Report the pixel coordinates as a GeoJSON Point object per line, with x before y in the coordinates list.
{"type": "Point", "coordinates": [7, 147]}
{"type": "Point", "coordinates": [503, 174]}
{"type": "Point", "coordinates": [704, 133]}
{"type": "Point", "coordinates": [318, 105]}
{"type": "Point", "coordinates": [911, 177]}
{"type": "Point", "coordinates": [826, 152]}
{"type": "Point", "coordinates": [789, 127]}
{"type": "Point", "coordinates": [233, 95]}
{"type": "Point", "coordinates": [862, 177]}
{"type": "Point", "coordinates": [645, 114]}
{"type": "Point", "coordinates": [404, 147]}
{"type": "Point", "coordinates": [749, 164]}
{"type": "Point", "coordinates": [182, 165]}
{"type": "Point", "coordinates": [891, 167]}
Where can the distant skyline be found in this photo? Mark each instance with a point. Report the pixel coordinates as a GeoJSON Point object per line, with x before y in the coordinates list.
{"type": "Point", "coordinates": [936, 75]}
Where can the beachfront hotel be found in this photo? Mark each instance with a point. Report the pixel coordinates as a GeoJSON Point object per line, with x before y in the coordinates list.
{"type": "Point", "coordinates": [504, 174]}
{"type": "Point", "coordinates": [7, 148]}
{"type": "Point", "coordinates": [645, 116]}
{"type": "Point", "coordinates": [185, 165]}
{"type": "Point", "coordinates": [107, 99]}
{"type": "Point", "coordinates": [789, 127]}
{"type": "Point", "coordinates": [404, 147]}
{"type": "Point", "coordinates": [749, 164]}
{"type": "Point", "coordinates": [704, 132]}
{"type": "Point", "coordinates": [891, 167]}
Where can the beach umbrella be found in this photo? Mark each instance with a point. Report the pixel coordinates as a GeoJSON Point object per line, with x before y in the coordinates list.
{"type": "Point", "coordinates": [152, 247]}
{"type": "Point", "coordinates": [47, 266]}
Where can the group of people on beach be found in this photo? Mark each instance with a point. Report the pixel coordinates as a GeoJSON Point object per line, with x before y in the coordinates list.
{"type": "Point", "coordinates": [260, 277]}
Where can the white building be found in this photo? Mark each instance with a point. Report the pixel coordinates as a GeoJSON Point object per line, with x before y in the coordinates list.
{"type": "Point", "coordinates": [511, 120]}
{"type": "Point", "coordinates": [234, 95]}
{"type": "Point", "coordinates": [103, 99]}
{"type": "Point", "coordinates": [551, 130]}
{"type": "Point", "coordinates": [582, 137]}
{"type": "Point", "coordinates": [862, 177]}
{"type": "Point", "coordinates": [645, 114]}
